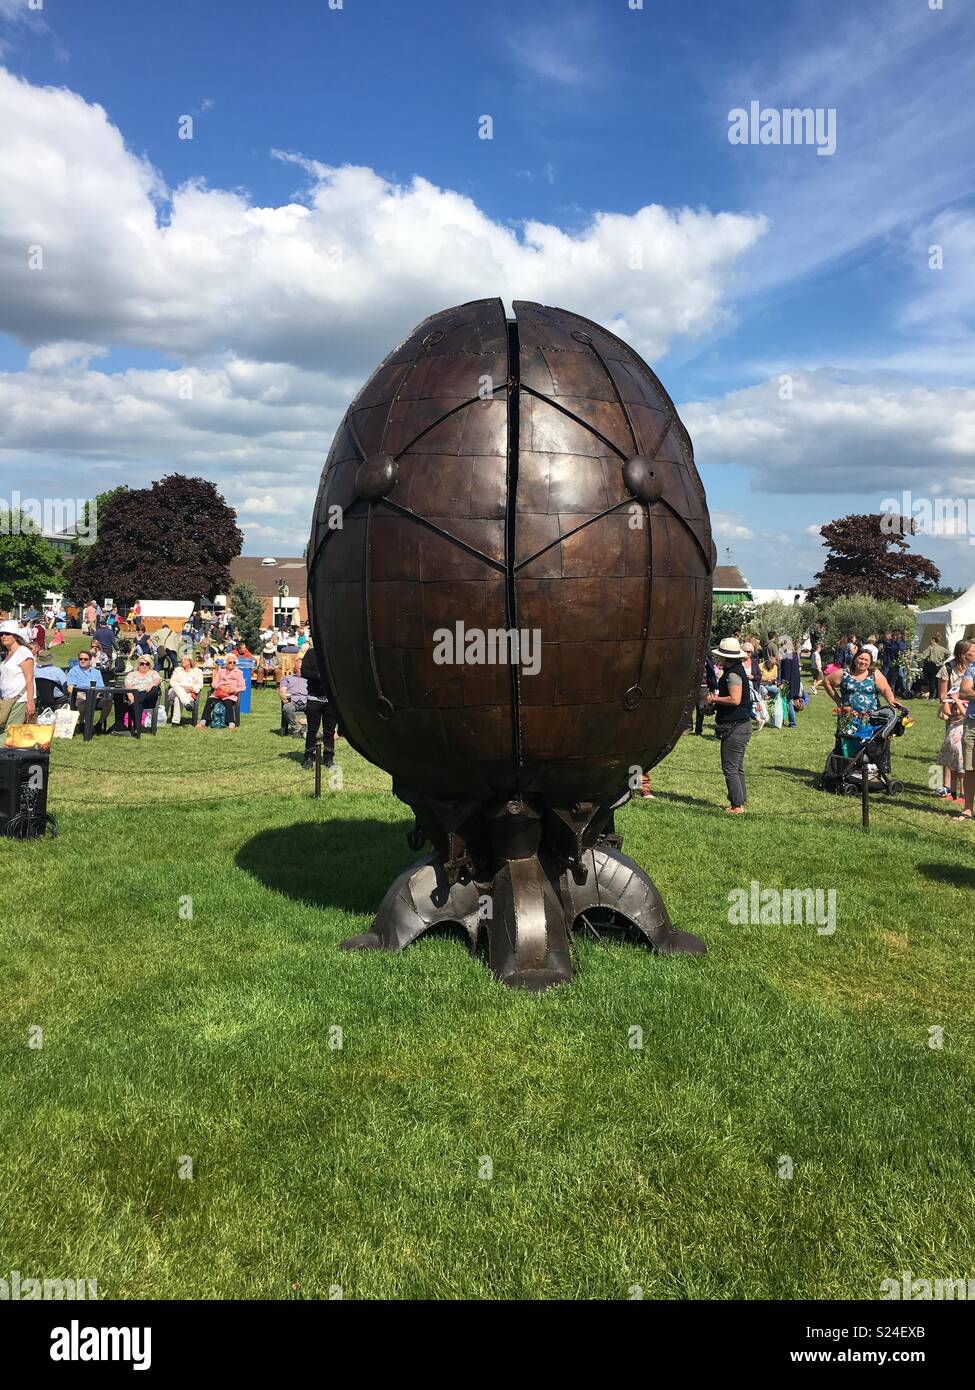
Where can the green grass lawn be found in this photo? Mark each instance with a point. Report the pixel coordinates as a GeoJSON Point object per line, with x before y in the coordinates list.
{"type": "Point", "coordinates": [659, 1167]}
{"type": "Point", "coordinates": [65, 652]}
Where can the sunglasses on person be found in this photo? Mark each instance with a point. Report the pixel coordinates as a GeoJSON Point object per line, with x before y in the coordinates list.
{"type": "Point", "coordinates": [84, 658]}
{"type": "Point", "coordinates": [143, 663]}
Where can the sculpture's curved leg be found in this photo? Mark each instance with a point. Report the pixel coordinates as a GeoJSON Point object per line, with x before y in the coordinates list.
{"type": "Point", "coordinates": [417, 900]}
{"type": "Point", "coordinates": [530, 903]}
{"type": "Point", "coordinates": [527, 932]}
{"type": "Point", "coordinates": [616, 882]}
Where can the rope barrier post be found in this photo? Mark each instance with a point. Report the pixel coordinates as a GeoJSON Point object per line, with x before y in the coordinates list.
{"type": "Point", "coordinates": [865, 789]}
{"type": "Point", "coordinates": [318, 767]}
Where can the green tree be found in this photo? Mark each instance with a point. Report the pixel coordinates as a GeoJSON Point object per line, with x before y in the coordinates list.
{"type": "Point", "coordinates": [796, 619]}
{"type": "Point", "coordinates": [937, 597]}
{"type": "Point", "coordinates": [862, 614]}
{"type": "Point", "coordinates": [29, 565]}
{"type": "Point", "coordinates": [248, 610]}
{"type": "Point", "coordinates": [729, 618]}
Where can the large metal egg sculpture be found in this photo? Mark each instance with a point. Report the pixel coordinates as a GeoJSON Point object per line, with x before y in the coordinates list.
{"type": "Point", "coordinates": [509, 576]}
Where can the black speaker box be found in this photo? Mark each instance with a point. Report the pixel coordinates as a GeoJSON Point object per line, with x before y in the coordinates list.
{"type": "Point", "coordinates": [23, 785]}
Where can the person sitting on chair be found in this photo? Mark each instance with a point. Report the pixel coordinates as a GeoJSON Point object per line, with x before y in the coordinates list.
{"type": "Point", "coordinates": [84, 676]}
{"type": "Point", "coordinates": [294, 697]}
{"type": "Point", "coordinates": [228, 684]}
{"type": "Point", "coordinates": [142, 693]}
{"type": "Point", "coordinates": [54, 691]}
{"type": "Point", "coordinates": [99, 656]}
{"type": "Point", "coordinates": [184, 688]}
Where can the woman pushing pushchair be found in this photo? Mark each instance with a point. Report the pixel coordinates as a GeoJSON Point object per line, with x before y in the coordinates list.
{"type": "Point", "coordinates": [863, 733]}
{"type": "Point", "coordinates": [860, 689]}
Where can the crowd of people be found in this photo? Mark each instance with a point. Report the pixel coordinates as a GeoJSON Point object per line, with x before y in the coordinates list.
{"type": "Point", "coordinates": [130, 675]}
{"type": "Point", "coordinates": [749, 685]}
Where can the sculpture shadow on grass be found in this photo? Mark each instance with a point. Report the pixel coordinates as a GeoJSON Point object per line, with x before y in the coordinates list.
{"type": "Point", "coordinates": [958, 875]}
{"type": "Point", "coordinates": [334, 863]}
{"type": "Point", "coordinates": [809, 777]}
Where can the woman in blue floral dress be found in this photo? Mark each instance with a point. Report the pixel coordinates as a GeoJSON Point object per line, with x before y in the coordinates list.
{"type": "Point", "coordinates": [858, 691]}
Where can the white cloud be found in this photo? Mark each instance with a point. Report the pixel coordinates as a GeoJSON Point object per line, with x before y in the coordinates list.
{"type": "Point", "coordinates": [15, 13]}
{"type": "Point", "coordinates": [563, 50]}
{"type": "Point", "coordinates": [729, 528]}
{"type": "Point", "coordinates": [56, 356]}
{"type": "Point", "coordinates": [275, 313]}
{"type": "Point", "coordinates": [282, 505]}
{"type": "Point", "coordinates": [944, 304]}
{"type": "Point", "coordinates": [249, 424]}
{"type": "Point", "coordinates": [842, 435]}
{"type": "Point", "coordinates": [331, 282]}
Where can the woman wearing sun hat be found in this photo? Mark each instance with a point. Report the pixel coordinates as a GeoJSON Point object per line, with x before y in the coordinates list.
{"type": "Point", "coordinates": [732, 704]}
{"type": "Point", "coordinates": [16, 676]}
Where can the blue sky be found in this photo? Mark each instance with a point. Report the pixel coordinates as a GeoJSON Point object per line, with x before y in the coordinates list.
{"type": "Point", "coordinates": [335, 191]}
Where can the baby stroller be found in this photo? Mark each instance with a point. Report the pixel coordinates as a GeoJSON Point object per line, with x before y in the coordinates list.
{"type": "Point", "coordinates": [862, 749]}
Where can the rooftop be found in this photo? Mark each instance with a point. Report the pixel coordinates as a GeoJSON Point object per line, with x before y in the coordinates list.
{"type": "Point", "coordinates": [730, 577]}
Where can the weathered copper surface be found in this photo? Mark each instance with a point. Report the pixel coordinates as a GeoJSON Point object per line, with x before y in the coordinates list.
{"type": "Point", "coordinates": [528, 475]}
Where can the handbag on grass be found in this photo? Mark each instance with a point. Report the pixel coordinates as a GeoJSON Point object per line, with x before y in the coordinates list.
{"type": "Point", "coordinates": [65, 722]}
{"type": "Point", "coordinates": [775, 710]}
{"type": "Point", "coordinates": [29, 736]}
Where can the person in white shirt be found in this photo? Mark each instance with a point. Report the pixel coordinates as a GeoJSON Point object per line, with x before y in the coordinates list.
{"type": "Point", "coordinates": [17, 698]}
{"type": "Point", "coordinates": [184, 687]}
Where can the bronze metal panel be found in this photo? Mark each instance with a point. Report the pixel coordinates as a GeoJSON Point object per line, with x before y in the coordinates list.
{"type": "Point", "coordinates": [596, 549]}
{"type": "Point", "coordinates": [588, 607]}
{"type": "Point", "coordinates": [431, 685]}
{"type": "Point", "coordinates": [577, 485]}
{"type": "Point", "coordinates": [486, 685]}
{"type": "Point", "coordinates": [572, 375]}
{"type": "Point", "coordinates": [489, 487]}
{"type": "Point", "coordinates": [539, 689]}
{"type": "Point", "coordinates": [534, 480]}
{"type": "Point", "coordinates": [484, 427]}
{"type": "Point", "coordinates": [397, 614]}
{"type": "Point", "coordinates": [584, 673]}
{"type": "Point", "coordinates": [474, 602]}
{"type": "Point", "coordinates": [438, 484]}
{"type": "Point", "coordinates": [409, 419]}
{"type": "Point", "coordinates": [534, 370]}
{"type": "Point", "coordinates": [554, 432]}
{"type": "Point", "coordinates": [533, 531]}
{"type": "Point", "coordinates": [395, 547]}
{"type": "Point", "coordinates": [540, 605]}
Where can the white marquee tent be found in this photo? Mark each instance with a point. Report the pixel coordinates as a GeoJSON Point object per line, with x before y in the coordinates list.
{"type": "Point", "coordinates": [953, 620]}
{"type": "Point", "coordinates": [165, 608]}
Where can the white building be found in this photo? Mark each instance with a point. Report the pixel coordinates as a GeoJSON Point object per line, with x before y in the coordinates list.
{"type": "Point", "coordinates": [778, 595]}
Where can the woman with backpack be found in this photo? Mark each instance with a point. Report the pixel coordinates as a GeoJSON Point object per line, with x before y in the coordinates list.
{"type": "Point", "coordinates": [732, 704]}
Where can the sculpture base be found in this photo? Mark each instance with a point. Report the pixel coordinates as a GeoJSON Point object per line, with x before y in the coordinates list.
{"type": "Point", "coordinates": [529, 907]}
